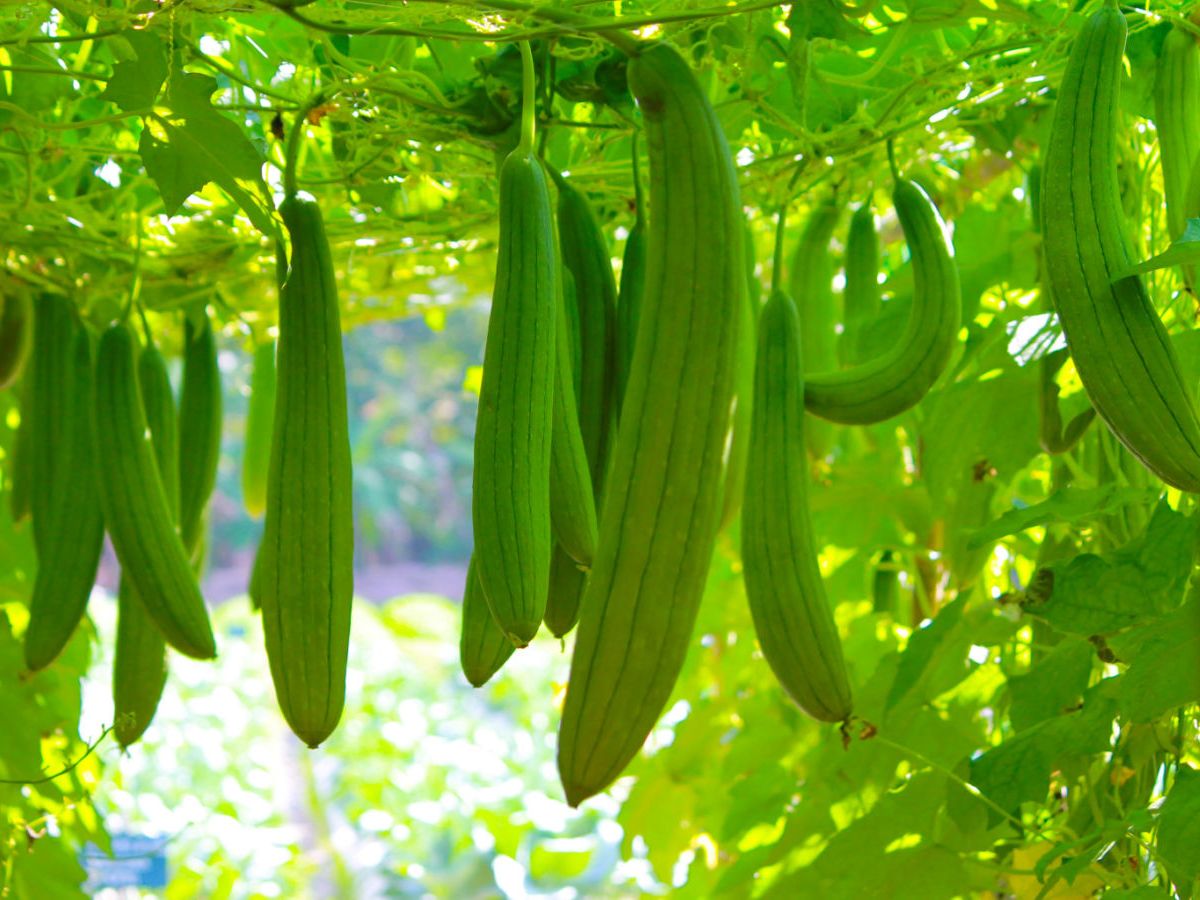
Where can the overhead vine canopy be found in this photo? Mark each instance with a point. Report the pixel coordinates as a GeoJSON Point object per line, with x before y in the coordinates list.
{"type": "Point", "coordinates": [142, 142]}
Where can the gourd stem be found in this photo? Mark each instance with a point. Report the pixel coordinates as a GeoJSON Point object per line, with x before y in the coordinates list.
{"type": "Point", "coordinates": [528, 98]}
{"type": "Point", "coordinates": [777, 262]}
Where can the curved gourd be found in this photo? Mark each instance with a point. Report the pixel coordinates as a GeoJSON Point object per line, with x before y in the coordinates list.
{"type": "Point", "coordinates": [564, 594]}
{"type": "Point", "coordinates": [1177, 121]}
{"type": "Point", "coordinates": [134, 500]}
{"type": "Point", "coordinates": [861, 298]}
{"type": "Point", "coordinates": [1120, 347]}
{"type": "Point", "coordinates": [511, 489]}
{"type": "Point", "coordinates": [586, 256]}
{"type": "Point", "coordinates": [199, 429]}
{"type": "Point", "coordinates": [482, 648]}
{"type": "Point", "coordinates": [140, 656]}
{"type": "Point", "coordinates": [662, 499]}
{"type": "Point", "coordinates": [629, 296]}
{"type": "Point", "coordinates": [55, 327]}
{"type": "Point", "coordinates": [572, 503]}
{"type": "Point", "coordinates": [304, 574]}
{"type": "Point", "coordinates": [810, 283]}
{"type": "Point", "coordinates": [69, 542]}
{"type": "Point", "coordinates": [792, 616]}
{"type": "Point", "coordinates": [896, 380]}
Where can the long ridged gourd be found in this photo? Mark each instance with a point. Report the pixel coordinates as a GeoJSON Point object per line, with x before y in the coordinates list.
{"type": "Point", "coordinates": [482, 647]}
{"type": "Point", "coordinates": [1177, 121]}
{"type": "Point", "coordinates": [134, 500]}
{"type": "Point", "coordinates": [199, 429]}
{"type": "Point", "coordinates": [810, 284]}
{"type": "Point", "coordinates": [1120, 347]}
{"type": "Point", "coordinates": [631, 287]}
{"type": "Point", "coordinates": [586, 256]}
{"type": "Point", "coordinates": [572, 503]}
{"type": "Point", "coordinates": [305, 565]}
{"type": "Point", "coordinates": [897, 379]}
{"type": "Point", "coordinates": [511, 490]}
{"type": "Point", "coordinates": [662, 501]}
{"type": "Point", "coordinates": [564, 594]}
{"type": "Point", "coordinates": [69, 550]}
{"type": "Point", "coordinates": [140, 656]}
{"type": "Point", "coordinates": [792, 616]}
{"type": "Point", "coordinates": [16, 335]}
{"type": "Point", "coordinates": [861, 298]}
{"type": "Point", "coordinates": [55, 326]}
{"type": "Point", "coordinates": [565, 588]}
{"type": "Point", "coordinates": [260, 419]}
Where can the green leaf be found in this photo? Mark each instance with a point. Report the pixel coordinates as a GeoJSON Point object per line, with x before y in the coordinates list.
{"type": "Point", "coordinates": [1069, 505]}
{"type": "Point", "coordinates": [200, 146]}
{"type": "Point", "coordinates": [1018, 770]}
{"type": "Point", "coordinates": [1093, 594]}
{"type": "Point", "coordinates": [923, 645]}
{"type": "Point", "coordinates": [1052, 686]}
{"type": "Point", "coordinates": [135, 83]}
{"type": "Point", "coordinates": [1164, 659]}
{"type": "Point", "coordinates": [1179, 828]}
{"type": "Point", "coordinates": [1184, 250]}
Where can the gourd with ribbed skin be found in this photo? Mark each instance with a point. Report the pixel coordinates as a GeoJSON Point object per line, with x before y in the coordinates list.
{"type": "Point", "coordinates": [631, 287]}
{"type": "Point", "coordinates": [1177, 121]}
{"type": "Point", "coordinates": [511, 491]}
{"type": "Point", "coordinates": [810, 283]}
{"type": "Point", "coordinates": [16, 335]}
{"type": "Point", "coordinates": [140, 656]}
{"type": "Point", "coordinates": [482, 648]}
{"type": "Point", "coordinates": [199, 430]}
{"type": "Point", "coordinates": [897, 379]}
{"type": "Point", "coordinates": [565, 588]}
{"type": "Point", "coordinates": [305, 568]}
{"type": "Point", "coordinates": [586, 256]}
{"type": "Point", "coordinates": [792, 616]}
{"type": "Point", "coordinates": [136, 511]}
{"type": "Point", "coordinates": [564, 594]}
{"type": "Point", "coordinates": [55, 326]}
{"type": "Point", "coordinates": [72, 534]}
{"type": "Point", "coordinates": [861, 299]}
{"type": "Point", "coordinates": [662, 499]}
{"type": "Point", "coordinates": [572, 503]}
{"type": "Point", "coordinates": [1120, 347]}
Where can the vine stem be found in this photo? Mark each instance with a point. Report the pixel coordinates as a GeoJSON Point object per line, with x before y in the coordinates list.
{"type": "Point", "coordinates": [891, 155]}
{"type": "Point", "coordinates": [961, 782]}
{"type": "Point", "coordinates": [528, 98]}
{"type": "Point", "coordinates": [292, 151]}
{"type": "Point", "coordinates": [638, 198]}
{"type": "Point", "coordinates": [90, 750]}
{"type": "Point", "coordinates": [777, 258]}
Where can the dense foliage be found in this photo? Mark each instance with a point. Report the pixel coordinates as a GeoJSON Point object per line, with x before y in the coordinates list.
{"type": "Point", "coordinates": [1015, 600]}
